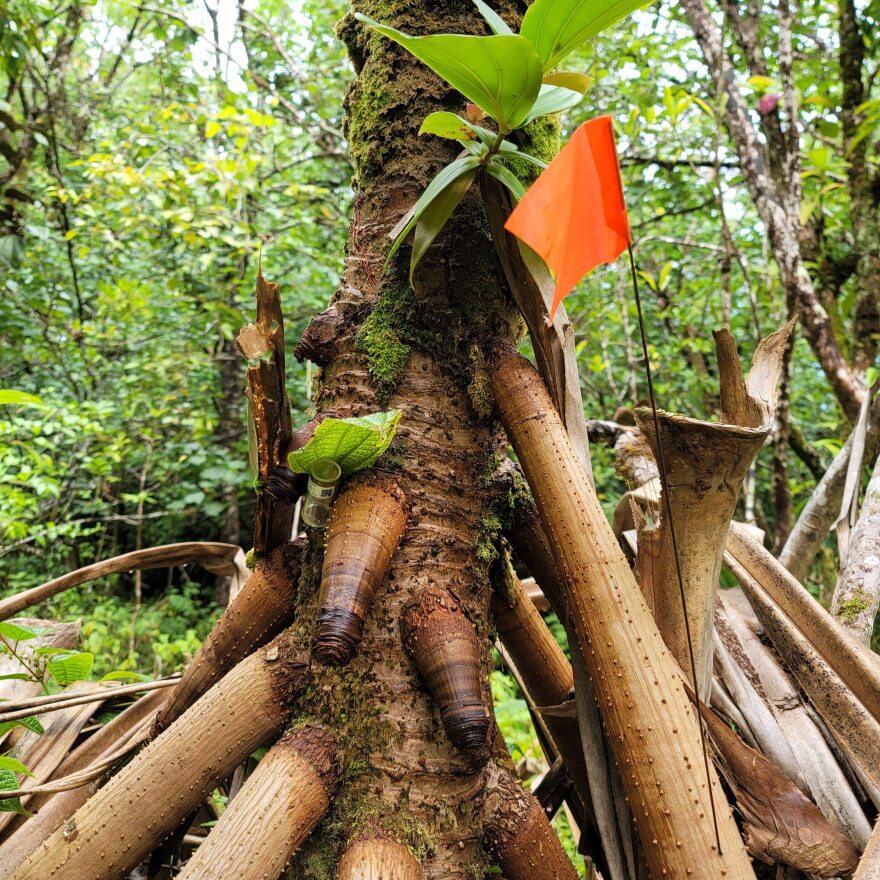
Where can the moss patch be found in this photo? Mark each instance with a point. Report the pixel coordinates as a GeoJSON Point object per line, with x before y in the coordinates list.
{"type": "Point", "coordinates": [851, 608]}
{"type": "Point", "coordinates": [387, 355]}
{"type": "Point", "coordinates": [367, 108]}
{"type": "Point", "coordinates": [540, 139]}
{"type": "Point", "coordinates": [480, 386]}
{"type": "Point", "coordinates": [487, 539]}
{"type": "Point", "coordinates": [356, 810]}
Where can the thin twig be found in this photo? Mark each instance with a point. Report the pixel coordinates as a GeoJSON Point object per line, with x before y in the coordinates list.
{"type": "Point", "coordinates": [664, 482]}
{"type": "Point", "coordinates": [56, 702]}
{"type": "Point", "coordinates": [82, 777]}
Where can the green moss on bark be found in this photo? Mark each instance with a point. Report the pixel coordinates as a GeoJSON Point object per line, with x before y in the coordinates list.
{"type": "Point", "coordinates": [366, 117]}
{"type": "Point", "coordinates": [387, 355]}
{"type": "Point", "coordinates": [851, 608]}
{"type": "Point", "coordinates": [540, 139]}
{"type": "Point", "coordinates": [356, 812]}
{"type": "Point", "coordinates": [487, 540]}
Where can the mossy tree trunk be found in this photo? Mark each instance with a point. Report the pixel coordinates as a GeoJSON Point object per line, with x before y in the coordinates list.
{"type": "Point", "coordinates": [380, 345]}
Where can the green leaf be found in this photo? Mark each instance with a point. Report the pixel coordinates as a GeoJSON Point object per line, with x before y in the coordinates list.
{"type": "Point", "coordinates": [74, 667]}
{"type": "Point", "coordinates": [501, 75]}
{"type": "Point", "coordinates": [475, 148]}
{"type": "Point", "coordinates": [13, 766]}
{"type": "Point", "coordinates": [820, 157]}
{"type": "Point", "coordinates": [15, 633]}
{"type": "Point", "coordinates": [557, 27]}
{"type": "Point", "coordinates": [31, 723]}
{"type": "Point", "coordinates": [353, 443]}
{"type": "Point", "coordinates": [507, 177]}
{"type": "Point", "coordinates": [123, 675]}
{"type": "Point", "coordinates": [451, 172]}
{"type": "Point", "coordinates": [19, 398]}
{"type": "Point", "coordinates": [448, 125]}
{"type": "Point", "coordinates": [760, 83]}
{"type": "Point", "coordinates": [12, 250]}
{"type": "Point", "coordinates": [496, 23]}
{"type": "Point", "coordinates": [434, 217]}
{"type": "Point", "coordinates": [577, 82]}
{"type": "Point", "coordinates": [9, 781]}
{"type": "Point", "coordinates": [553, 99]}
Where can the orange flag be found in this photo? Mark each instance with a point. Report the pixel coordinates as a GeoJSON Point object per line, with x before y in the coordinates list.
{"type": "Point", "coordinates": [574, 215]}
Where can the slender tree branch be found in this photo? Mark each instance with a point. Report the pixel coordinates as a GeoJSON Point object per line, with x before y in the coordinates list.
{"type": "Point", "coordinates": [781, 226]}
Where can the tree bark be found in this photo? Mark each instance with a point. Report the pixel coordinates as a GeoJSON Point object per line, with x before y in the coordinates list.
{"type": "Point", "coordinates": [823, 506]}
{"type": "Point", "coordinates": [547, 676]}
{"type": "Point", "coordinates": [857, 594]}
{"type": "Point", "coordinates": [51, 811]}
{"type": "Point", "coordinates": [863, 202]}
{"type": "Point", "coordinates": [383, 344]}
{"type": "Point", "coordinates": [174, 773]}
{"type": "Point", "coordinates": [273, 813]}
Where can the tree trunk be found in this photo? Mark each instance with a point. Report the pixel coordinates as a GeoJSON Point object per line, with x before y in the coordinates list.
{"type": "Point", "coordinates": [385, 345]}
{"type": "Point", "coordinates": [857, 594]}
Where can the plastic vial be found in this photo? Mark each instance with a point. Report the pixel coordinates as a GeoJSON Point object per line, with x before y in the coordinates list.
{"type": "Point", "coordinates": [323, 478]}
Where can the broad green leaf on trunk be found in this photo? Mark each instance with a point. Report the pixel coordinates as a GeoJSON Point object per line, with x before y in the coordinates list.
{"type": "Point", "coordinates": [496, 23]}
{"type": "Point", "coordinates": [553, 99]}
{"type": "Point", "coordinates": [19, 398]}
{"type": "Point", "coordinates": [12, 632]}
{"type": "Point", "coordinates": [507, 177]}
{"type": "Point", "coordinates": [451, 172]}
{"type": "Point", "coordinates": [74, 667]}
{"type": "Point", "coordinates": [501, 75]}
{"type": "Point", "coordinates": [448, 125]}
{"type": "Point", "coordinates": [434, 217]}
{"type": "Point", "coordinates": [557, 27]}
{"type": "Point", "coordinates": [353, 443]}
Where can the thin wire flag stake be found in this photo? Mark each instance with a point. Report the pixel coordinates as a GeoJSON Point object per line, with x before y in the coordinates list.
{"type": "Point", "coordinates": [574, 216]}
{"type": "Point", "coordinates": [664, 484]}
